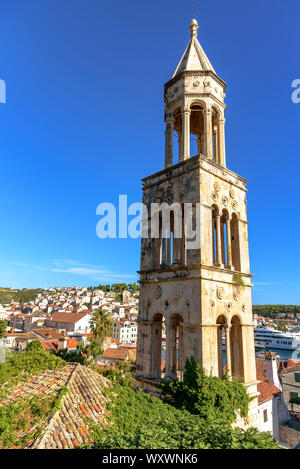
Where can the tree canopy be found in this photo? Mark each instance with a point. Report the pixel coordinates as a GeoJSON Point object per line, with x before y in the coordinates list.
{"type": "Point", "coordinates": [208, 396]}
{"type": "Point", "coordinates": [3, 327]}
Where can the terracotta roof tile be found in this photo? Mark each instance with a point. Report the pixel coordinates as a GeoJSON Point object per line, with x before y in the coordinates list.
{"type": "Point", "coordinates": [67, 428]}
{"type": "Point", "coordinates": [266, 389]}
{"type": "Point", "coordinates": [67, 317]}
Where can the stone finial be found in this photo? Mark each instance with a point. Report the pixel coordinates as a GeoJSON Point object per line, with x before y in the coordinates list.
{"type": "Point", "coordinates": [194, 28]}
{"type": "Point", "coordinates": [270, 355]}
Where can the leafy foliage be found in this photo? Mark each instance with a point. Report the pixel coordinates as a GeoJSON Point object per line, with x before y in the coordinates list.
{"type": "Point", "coordinates": [20, 366]}
{"type": "Point", "coordinates": [100, 324]}
{"type": "Point", "coordinates": [271, 311]}
{"type": "Point", "coordinates": [295, 400]}
{"type": "Point", "coordinates": [208, 396]}
{"type": "Point", "coordinates": [123, 374]}
{"type": "Point", "coordinates": [7, 295]}
{"type": "Point", "coordinates": [3, 327]}
{"type": "Point", "coordinates": [238, 279]}
{"type": "Point", "coordinates": [19, 420]}
{"type": "Point", "coordinates": [143, 421]}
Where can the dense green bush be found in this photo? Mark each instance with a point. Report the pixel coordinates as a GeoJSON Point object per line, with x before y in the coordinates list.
{"type": "Point", "coordinates": [210, 397]}
{"type": "Point", "coordinates": [122, 374]}
{"type": "Point", "coordinates": [146, 422]}
{"type": "Point", "coordinates": [19, 366]}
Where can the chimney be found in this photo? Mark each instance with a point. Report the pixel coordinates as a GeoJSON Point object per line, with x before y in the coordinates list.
{"type": "Point", "coordinates": [62, 343]}
{"type": "Point", "coordinates": [271, 369]}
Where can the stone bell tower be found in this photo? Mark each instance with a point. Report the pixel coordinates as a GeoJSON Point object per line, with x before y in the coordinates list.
{"type": "Point", "coordinates": [196, 301]}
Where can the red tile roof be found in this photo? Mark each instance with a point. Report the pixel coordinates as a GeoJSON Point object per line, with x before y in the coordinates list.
{"type": "Point", "coordinates": [266, 389]}
{"type": "Point", "coordinates": [291, 365]}
{"type": "Point", "coordinates": [48, 333]}
{"type": "Point", "coordinates": [116, 354]}
{"type": "Point", "coordinates": [67, 317]}
{"type": "Point", "coordinates": [83, 405]}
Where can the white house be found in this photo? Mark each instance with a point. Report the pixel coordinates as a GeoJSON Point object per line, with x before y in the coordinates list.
{"type": "Point", "coordinates": [125, 331]}
{"type": "Point", "coordinates": [70, 322]}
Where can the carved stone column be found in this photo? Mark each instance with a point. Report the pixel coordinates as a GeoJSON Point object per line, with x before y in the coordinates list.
{"type": "Point", "coordinates": [227, 342]}
{"type": "Point", "coordinates": [216, 149]}
{"type": "Point", "coordinates": [169, 143]}
{"type": "Point", "coordinates": [220, 351]}
{"type": "Point", "coordinates": [163, 249]}
{"type": "Point", "coordinates": [186, 133]}
{"type": "Point", "coordinates": [180, 149]}
{"type": "Point", "coordinates": [221, 141]}
{"type": "Point", "coordinates": [168, 348]}
{"type": "Point", "coordinates": [176, 249]}
{"type": "Point", "coordinates": [208, 132]}
{"type": "Point", "coordinates": [173, 351]}
{"type": "Point", "coordinates": [219, 249]}
{"type": "Point", "coordinates": [168, 241]}
{"type": "Point", "coordinates": [229, 251]}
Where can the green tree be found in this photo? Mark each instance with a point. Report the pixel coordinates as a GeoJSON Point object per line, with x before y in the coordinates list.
{"type": "Point", "coordinates": [146, 422]}
{"type": "Point", "coordinates": [3, 327]}
{"type": "Point", "coordinates": [100, 325]}
{"type": "Point", "coordinates": [119, 287]}
{"type": "Point", "coordinates": [294, 401]}
{"type": "Point", "coordinates": [212, 398]}
{"type": "Point", "coordinates": [34, 346]}
{"type": "Point", "coordinates": [282, 326]}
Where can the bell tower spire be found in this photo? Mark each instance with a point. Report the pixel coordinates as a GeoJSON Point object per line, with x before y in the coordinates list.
{"type": "Point", "coordinates": [194, 106]}
{"type": "Point", "coordinates": [195, 288]}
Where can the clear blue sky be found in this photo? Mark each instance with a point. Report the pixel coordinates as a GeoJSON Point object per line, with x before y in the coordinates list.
{"type": "Point", "coordinates": [83, 123]}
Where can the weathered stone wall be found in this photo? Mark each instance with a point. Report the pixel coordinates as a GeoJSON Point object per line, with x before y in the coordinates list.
{"type": "Point", "coordinates": [289, 436]}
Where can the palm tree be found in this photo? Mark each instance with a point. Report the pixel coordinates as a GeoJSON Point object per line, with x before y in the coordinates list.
{"type": "Point", "coordinates": [100, 324]}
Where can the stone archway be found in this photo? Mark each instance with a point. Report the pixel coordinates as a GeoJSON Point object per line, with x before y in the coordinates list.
{"type": "Point", "coordinates": [236, 348]}
{"type": "Point", "coordinates": [174, 347]}
{"type": "Point", "coordinates": [221, 324]}
{"type": "Point", "coordinates": [157, 327]}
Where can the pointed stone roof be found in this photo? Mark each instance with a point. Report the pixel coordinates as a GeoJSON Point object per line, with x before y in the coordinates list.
{"type": "Point", "coordinates": [194, 57]}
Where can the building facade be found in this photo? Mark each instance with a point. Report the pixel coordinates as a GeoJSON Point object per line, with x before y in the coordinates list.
{"type": "Point", "coordinates": [196, 289]}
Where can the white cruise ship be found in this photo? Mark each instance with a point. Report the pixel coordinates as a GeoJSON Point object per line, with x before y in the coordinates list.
{"type": "Point", "coordinates": [277, 339]}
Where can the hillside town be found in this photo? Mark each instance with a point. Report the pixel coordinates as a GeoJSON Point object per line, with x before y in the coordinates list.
{"type": "Point", "coordinates": [59, 318]}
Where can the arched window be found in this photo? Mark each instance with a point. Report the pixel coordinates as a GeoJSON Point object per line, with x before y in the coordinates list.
{"type": "Point", "coordinates": [169, 245]}
{"type": "Point", "coordinates": [224, 237]}
{"type": "Point", "coordinates": [174, 347]}
{"type": "Point", "coordinates": [235, 242]}
{"type": "Point", "coordinates": [215, 135]}
{"type": "Point", "coordinates": [236, 348]}
{"type": "Point", "coordinates": [197, 130]}
{"type": "Point", "coordinates": [215, 212]}
{"type": "Point", "coordinates": [221, 322]}
{"type": "Point", "coordinates": [178, 149]}
{"type": "Point", "coordinates": [157, 345]}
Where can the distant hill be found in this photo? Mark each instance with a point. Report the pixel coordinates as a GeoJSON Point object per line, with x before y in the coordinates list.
{"type": "Point", "coordinates": [7, 295]}
{"type": "Point", "coordinates": [272, 311]}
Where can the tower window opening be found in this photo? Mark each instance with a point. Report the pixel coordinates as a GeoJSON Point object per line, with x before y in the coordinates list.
{"type": "Point", "coordinates": [177, 147]}
{"type": "Point", "coordinates": [215, 136]}
{"type": "Point", "coordinates": [176, 143]}
{"type": "Point", "coordinates": [197, 130]}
